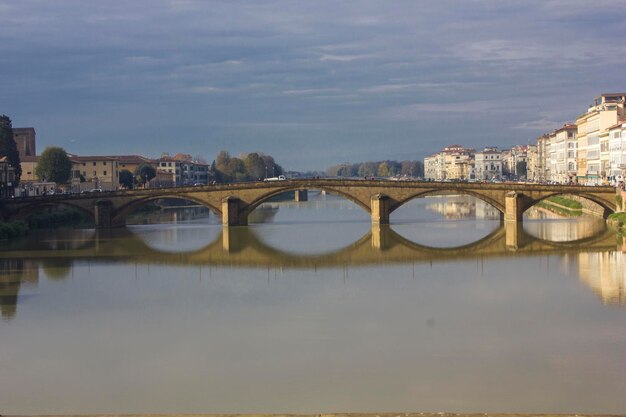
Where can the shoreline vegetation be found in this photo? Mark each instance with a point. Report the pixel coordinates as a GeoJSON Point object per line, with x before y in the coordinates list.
{"type": "Point", "coordinates": [618, 221]}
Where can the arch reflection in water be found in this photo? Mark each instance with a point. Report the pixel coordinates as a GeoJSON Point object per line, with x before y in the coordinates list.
{"type": "Point", "coordinates": [600, 264]}
{"type": "Point", "coordinates": [324, 223]}
{"type": "Point", "coordinates": [546, 225]}
{"type": "Point", "coordinates": [446, 220]}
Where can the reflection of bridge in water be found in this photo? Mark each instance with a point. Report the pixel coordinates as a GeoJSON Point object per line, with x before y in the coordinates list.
{"type": "Point", "coordinates": [243, 247]}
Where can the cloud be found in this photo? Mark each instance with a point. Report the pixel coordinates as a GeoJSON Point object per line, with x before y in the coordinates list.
{"type": "Point", "coordinates": [344, 58]}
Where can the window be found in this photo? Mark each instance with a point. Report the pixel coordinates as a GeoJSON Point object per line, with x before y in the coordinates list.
{"type": "Point", "coordinates": [94, 163]}
{"type": "Point", "coordinates": [104, 163]}
{"type": "Point", "coordinates": [104, 173]}
{"type": "Point", "coordinates": [83, 164]}
{"type": "Point", "coordinates": [94, 173]}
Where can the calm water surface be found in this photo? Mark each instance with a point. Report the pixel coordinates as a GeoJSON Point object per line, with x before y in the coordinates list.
{"type": "Point", "coordinates": [312, 310]}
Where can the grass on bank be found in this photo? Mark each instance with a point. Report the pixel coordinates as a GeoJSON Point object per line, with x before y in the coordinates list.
{"type": "Point", "coordinates": [561, 205]}
{"type": "Point", "coordinates": [566, 202]}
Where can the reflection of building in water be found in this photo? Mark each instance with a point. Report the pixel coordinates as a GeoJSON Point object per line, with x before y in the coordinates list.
{"type": "Point", "coordinates": [13, 272]}
{"type": "Point", "coordinates": [564, 229]}
{"type": "Point", "coordinates": [605, 273]}
{"type": "Point", "coordinates": [463, 207]}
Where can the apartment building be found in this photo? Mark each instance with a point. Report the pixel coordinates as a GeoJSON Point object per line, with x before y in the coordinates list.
{"type": "Point", "coordinates": [531, 163]}
{"type": "Point", "coordinates": [563, 154]}
{"type": "Point", "coordinates": [180, 170]}
{"type": "Point", "coordinates": [617, 153]}
{"type": "Point", "coordinates": [488, 164]}
{"type": "Point", "coordinates": [543, 158]}
{"type": "Point", "coordinates": [593, 137]}
{"type": "Point", "coordinates": [453, 163]}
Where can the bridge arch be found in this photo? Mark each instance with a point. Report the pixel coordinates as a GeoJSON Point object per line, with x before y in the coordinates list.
{"type": "Point", "coordinates": [274, 192]}
{"type": "Point", "coordinates": [122, 212]}
{"type": "Point", "coordinates": [606, 206]}
{"type": "Point", "coordinates": [450, 191]}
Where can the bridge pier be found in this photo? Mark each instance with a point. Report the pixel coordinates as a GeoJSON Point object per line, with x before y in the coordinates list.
{"type": "Point", "coordinates": [232, 239]}
{"type": "Point", "coordinates": [380, 236]}
{"type": "Point", "coordinates": [232, 214]}
{"type": "Point", "coordinates": [513, 207]}
{"type": "Point", "coordinates": [301, 195]}
{"type": "Point", "coordinates": [380, 206]}
{"type": "Point", "coordinates": [103, 214]}
{"type": "Point", "coordinates": [515, 236]}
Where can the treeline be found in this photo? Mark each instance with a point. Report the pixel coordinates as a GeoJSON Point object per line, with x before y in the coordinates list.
{"type": "Point", "coordinates": [251, 167]}
{"type": "Point", "coordinates": [378, 169]}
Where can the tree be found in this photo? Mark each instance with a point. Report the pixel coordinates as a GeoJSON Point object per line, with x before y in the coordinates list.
{"type": "Point", "coordinates": [255, 166]}
{"type": "Point", "coordinates": [144, 173]}
{"type": "Point", "coordinates": [127, 179]}
{"type": "Point", "coordinates": [54, 165]}
{"type": "Point", "coordinates": [520, 168]}
{"type": "Point", "coordinates": [8, 147]}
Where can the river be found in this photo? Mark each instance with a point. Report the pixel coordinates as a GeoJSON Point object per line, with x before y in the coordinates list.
{"type": "Point", "coordinates": [310, 309]}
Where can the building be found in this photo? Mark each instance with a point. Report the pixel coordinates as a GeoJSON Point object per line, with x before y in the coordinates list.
{"type": "Point", "coordinates": [563, 148]}
{"type": "Point", "coordinates": [132, 162]}
{"type": "Point", "coordinates": [96, 171]}
{"type": "Point", "coordinates": [7, 178]}
{"type": "Point", "coordinates": [25, 141]}
{"type": "Point", "coordinates": [543, 158]}
{"type": "Point", "coordinates": [593, 137]}
{"type": "Point", "coordinates": [488, 164]}
{"type": "Point", "coordinates": [617, 153]}
{"type": "Point", "coordinates": [180, 170]}
{"type": "Point", "coordinates": [458, 163]}
{"type": "Point", "coordinates": [434, 167]}
{"type": "Point", "coordinates": [29, 166]}
{"type": "Point", "coordinates": [531, 163]}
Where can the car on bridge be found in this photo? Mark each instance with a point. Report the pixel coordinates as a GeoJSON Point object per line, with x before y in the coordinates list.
{"type": "Point", "coordinates": [278, 178]}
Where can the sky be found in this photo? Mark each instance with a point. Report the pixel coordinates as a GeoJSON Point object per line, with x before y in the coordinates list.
{"type": "Point", "coordinates": [312, 83]}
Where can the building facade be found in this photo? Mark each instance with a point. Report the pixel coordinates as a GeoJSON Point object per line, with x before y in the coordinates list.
{"type": "Point", "coordinates": [25, 141]}
{"type": "Point", "coordinates": [488, 164]}
{"type": "Point", "coordinates": [101, 172]}
{"type": "Point", "coordinates": [593, 137]}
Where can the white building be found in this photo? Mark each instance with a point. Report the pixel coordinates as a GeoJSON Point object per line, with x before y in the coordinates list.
{"type": "Point", "coordinates": [617, 153]}
{"type": "Point", "coordinates": [488, 164]}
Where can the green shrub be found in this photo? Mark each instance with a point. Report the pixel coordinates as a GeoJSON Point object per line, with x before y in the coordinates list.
{"type": "Point", "coordinates": [619, 218]}
{"type": "Point", "coordinates": [12, 230]}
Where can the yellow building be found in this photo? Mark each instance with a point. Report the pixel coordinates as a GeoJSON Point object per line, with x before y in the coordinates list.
{"type": "Point", "coordinates": [29, 165]}
{"type": "Point", "coordinates": [98, 171]}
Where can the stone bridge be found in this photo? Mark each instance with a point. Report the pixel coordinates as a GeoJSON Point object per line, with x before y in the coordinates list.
{"type": "Point", "coordinates": [234, 202]}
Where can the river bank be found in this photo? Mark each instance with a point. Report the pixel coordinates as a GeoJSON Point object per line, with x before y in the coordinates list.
{"type": "Point", "coordinates": [336, 415]}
